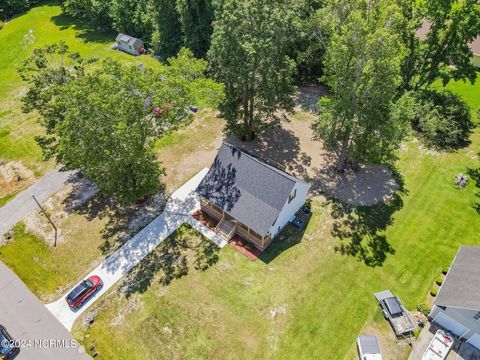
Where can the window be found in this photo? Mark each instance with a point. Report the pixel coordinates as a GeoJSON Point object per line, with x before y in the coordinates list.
{"type": "Point", "coordinates": [292, 196]}
{"type": "Point", "coordinates": [477, 316]}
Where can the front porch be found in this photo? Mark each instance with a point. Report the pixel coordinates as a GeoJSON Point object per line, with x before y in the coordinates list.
{"type": "Point", "coordinates": [228, 227]}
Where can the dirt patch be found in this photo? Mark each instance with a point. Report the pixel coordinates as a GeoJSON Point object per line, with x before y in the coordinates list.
{"type": "Point", "coordinates": [291, 148]}
{"type": "Point", "coordinates": [194, 149]}
{"type": "Point", "coordinates": [390, 346]}
{"type": "Point", "coordinates": [370, 185]}
{"type": "Point", "coordinates": [14, 176]}
{"type": "Point", "coordinates": [71, 197]}
{"type": "Point", "coordinates": [307, 97]}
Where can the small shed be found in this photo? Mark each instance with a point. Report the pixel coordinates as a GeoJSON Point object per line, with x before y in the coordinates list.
{"type": "Point", "coordinates": [130, 44]}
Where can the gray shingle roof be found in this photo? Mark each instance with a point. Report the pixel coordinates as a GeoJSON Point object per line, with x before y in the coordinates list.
{"type": "Point", "coordinates": [136, 43]}
{"type": "Point", "coordinates": [461, 288]}
{"type": "Point", "coordinates": [251, 191]}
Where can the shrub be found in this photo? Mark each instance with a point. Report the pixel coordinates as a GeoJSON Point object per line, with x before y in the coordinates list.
{"type": "Point", "coordinates": [441, 119]}
{"type": "Point", "coordinates": [434, 292]}
{"type": "Point", "coordinates": [439, 280]}
{"type": "Point", "coordinates": [445, 269]}
{"type": "Point", "coordinates": [424, 309]}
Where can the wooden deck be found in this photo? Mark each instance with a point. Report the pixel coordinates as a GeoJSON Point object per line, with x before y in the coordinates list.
{"type": "Point", "coordinates": [241, 230]}
{"type": "Point", "coordinates": [239, 244]}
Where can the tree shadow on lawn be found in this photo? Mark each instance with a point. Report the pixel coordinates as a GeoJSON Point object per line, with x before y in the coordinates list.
{"type": "Point", "coordinates": [289, 237]}
{"type": "Point", "coordinates": [122, 222]}
{"type": "Point", "coordinates": [83, 28]}
{"type": "Point", "coordinates": [474, 174]}
{"type": "Point", "coordinates": [361, 229]}
{"type": "Point", "coordinates": [278, 147]}
{"type": "Point", "coordinates": [172, 259]}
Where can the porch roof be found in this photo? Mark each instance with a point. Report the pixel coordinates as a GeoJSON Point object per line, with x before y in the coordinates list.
{"type": "Point", "coordinates": [251, 191]}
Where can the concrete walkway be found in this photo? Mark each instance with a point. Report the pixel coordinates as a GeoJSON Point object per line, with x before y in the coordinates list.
{"type": "Point", "coordinates": [40, 335]}
{"type": "Point", "coordinates": [23, 203]}
{"type": "Point", "coordinates": [178, 210]}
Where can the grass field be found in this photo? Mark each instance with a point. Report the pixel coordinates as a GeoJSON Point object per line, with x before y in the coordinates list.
{"type": "Point", "coordinates": [48, 270]}
{"type": "Point", "coordinates": [303, 300]}
{"type": "Point", "coordinates": [41, 25]}
{"type": "Point", "coordinates": [476, 61]}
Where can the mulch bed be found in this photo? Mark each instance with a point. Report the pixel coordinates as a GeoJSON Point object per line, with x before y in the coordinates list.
{"type": "Point", "coordinates": [250, 251]}
{"type": "Point", "coordinates": [205, 219]}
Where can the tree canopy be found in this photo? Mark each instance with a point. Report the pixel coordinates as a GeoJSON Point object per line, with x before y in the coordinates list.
{"type": "Point", "coordinates": [362, 69]}
{"type": "Point", "coordinates": [105, 121]}
{"type": "Point", "coordinates": [442, 52]}
{"type": "Point", "coordinates": [249, 54]}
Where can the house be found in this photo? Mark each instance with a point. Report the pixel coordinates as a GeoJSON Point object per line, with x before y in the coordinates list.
{"type": "Point", "coordinates": [249, 197]}
{"type": "Point", "coordinates": [457, 304]}
{"type": "Point", "coordinates": [130, 44]}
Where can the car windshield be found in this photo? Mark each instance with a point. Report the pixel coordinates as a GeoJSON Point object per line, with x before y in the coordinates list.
{"type": "Point", "coordinates": [88, 283]}
{"type": "Point", "coordinates": [78, 291]}
{"type": "Point", "coordinates": [4, 350]}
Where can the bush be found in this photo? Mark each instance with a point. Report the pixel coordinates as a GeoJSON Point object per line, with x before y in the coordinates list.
{"type": "Point", "coordinates": [445, 269]}
{"type": "Point", "coordinates": [439, 280]}
{"type": "Point", "coordinates": [434, 292]}
{"type": "Point", "coordinates": [424, 309]}
{"type": "Point", "coordinates": [441, 119]}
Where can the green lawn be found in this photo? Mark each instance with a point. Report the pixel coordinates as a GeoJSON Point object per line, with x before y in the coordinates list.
{"type": "Point", "coordinates": [39, 26]}
{"type": "Point", "coordinates": [5, 199]}
{"type": "Point", "coordinates": [305, 301]}
{"type": "Point", "coordinates": [476, 60]}
{"type": "Point", "coordinates": [46, 270]}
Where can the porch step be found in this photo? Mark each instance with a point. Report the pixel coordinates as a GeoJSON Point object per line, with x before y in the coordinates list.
{"type": "Point", "coordinates": [226, 229]}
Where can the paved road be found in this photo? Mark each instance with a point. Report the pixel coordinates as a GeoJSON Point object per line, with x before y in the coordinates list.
{"type": "Point", "coordinates": [29, 322]}
{"type": "Point", "coordinates": [178, 210]}
{"type": "Point", "coordinates": [23, 203]}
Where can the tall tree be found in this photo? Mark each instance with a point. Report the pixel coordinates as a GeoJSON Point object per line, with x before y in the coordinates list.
{"type": "Point", "coordinates": [307, 50]}
{"type": "Point", "coordinates": [133, 17]}
{"type": "Point", "coordinates": [46, 72]}
{"type": "Point", "coordinates": [95, 11]}
{"type": "Point", "coordinates": [167, 36]}
{"type": "Point", "coordinates": [362, 67]}
{"type": "Point", "coordinates": [443, 51]}
{"type": "Point", "coordinates": [196, 18]}
{"type": "Point", "coordinates": [106, 120]}
{"type": "Point", "coordinates": [248, 54]}
{"type": "Point", "coordinates": [9, 8]}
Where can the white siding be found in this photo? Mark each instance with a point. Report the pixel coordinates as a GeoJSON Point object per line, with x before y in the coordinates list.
{"type": "Point", "coordinates": [127, 48]}
{"type": "Point", "coordinates": [289, 209]}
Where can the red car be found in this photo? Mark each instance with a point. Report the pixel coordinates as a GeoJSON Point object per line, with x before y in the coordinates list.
{"type": "Point", "coordinates": [83, 291]}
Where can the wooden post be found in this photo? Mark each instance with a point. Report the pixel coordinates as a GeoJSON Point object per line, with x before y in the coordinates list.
{"type": "Point", "coordinates": [48, 218]}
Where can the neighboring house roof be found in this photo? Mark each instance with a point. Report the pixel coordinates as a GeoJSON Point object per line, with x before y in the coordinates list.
{"type": "Point", "coordinates": [475, 46]}
{"type": "Point", "coordinates": [134, 42]}
{"type": "Point", "coordinates": [423, 30]}
{"type": "Point", "coordinates": [461, 287]}
{"type": "Point", "coordinates": [251, 191]}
